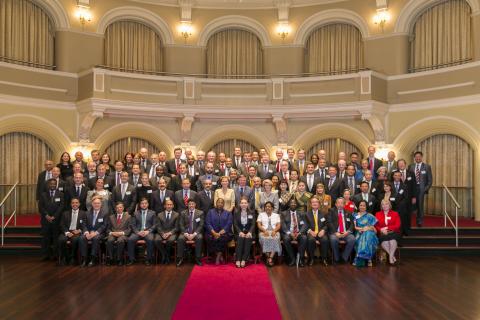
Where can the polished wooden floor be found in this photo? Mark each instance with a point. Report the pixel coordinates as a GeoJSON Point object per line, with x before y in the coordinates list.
{"type": "Point", "coordinates": [421, 288]}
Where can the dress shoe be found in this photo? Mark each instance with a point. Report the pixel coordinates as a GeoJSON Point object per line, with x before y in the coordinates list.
{"type": "Point", "coordinates": [62, 262]}
{"type": "Point", "coordinates": [198, 262]}
{"type": "Point", "coordinates": [310, 262]}
{"type": "Point", "coordinates": [324, 262]}
{"type": "Point", "coordinates": [120, 263]}
{"type": "Point", "coordinates": [147, 262]}
{"type": "Point", "coordinates": [109, 262]}
{"type": "Point", "coordinates": [130, 262]}
{"type": "Point", "coordinates": [301, 264]}
{"type": "Point", "coordinates": [179, 262]}
{"type": "Point", "coordinates": [91, 263]}
{"type": "Point", "coordinates": [167, 261]}
{"type": "Point", "coordinates": [419, 225]}
{"type": "Point", "coordinates": [84, 263]}
{"type": "Point", "coordinates": [292, 263]}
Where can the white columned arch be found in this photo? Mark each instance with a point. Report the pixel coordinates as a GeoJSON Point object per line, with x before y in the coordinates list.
{"type": "Point", "coordinates": [56, 11]}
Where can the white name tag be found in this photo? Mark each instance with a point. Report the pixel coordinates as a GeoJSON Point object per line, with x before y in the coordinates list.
{"type": "Point", "coordinates": [250, 216]}
{"type": "Point", "coordinates": [373, 190]}
{"type": "Point", "coordinates": [106, 186]}
{"type": "Point", "coordinates": [358, 186]}
{"type": "Point", "coordinates": [401, 191]}
{"type": "Point", "coordinates": [323, 219]}
{"type": "Point", "coordinates": [370, 203]}
{"type": "Point", "coordinates": [409, 178]}
{"type": "Point", "coordinates": [348, 219]}
{"type": "Point", "coordinates": [167, 198]}
{"type": "Point", "coordinates": [60, 188]}
{"type": "Point", "coordinates": [196, 173]}
{"type": "Point", "coordinates": [392, 199]}
{"type": "Point", "coordinates": [128, 193]}
{"type": "Point", "coordinates": [57, 199]}
{"type": "Point", "coordinates": [214, 183]}
{"type": "Point", "coordinates": [149, 191]}
{"type": "Point", "coordinates": [100, 220]}
{"type": "Point", "coordinates": [216, 170]}
{"type": "Point", "coordinates": [325, 203]}
{"type": "Point", "coordinates": [270, 171]}
{"type": "Point", "coordinates": [280, 200]}
{"type": "Point", "coordinates": [424, 172]}
{"type": "Point", "coordinates": [302, 223]}
{"type": "Point", "coordinates": [197, 220]}
{"type": "Point", "coordinates": [81, 221]}
{"type": "Point", "coordinates": [139, 184]}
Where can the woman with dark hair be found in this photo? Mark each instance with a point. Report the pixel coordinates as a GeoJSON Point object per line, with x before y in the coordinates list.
{"type": "Point", "coordinates": [284, 196]}
{"type": "Point", "coordinates": [128, 162]}
{"type": "Point", "coordinates": [218, 225]}
{"type": "Point", "coordinates": [269, 225]}
{"type": "Point", "coordinates": [145, 190]}
{"type": "Point", "coordinates": [365, 237]}
{"type": "Point", "coordinates": [244, 232]}
{"type": "Point", "coordinates": [65, 165]}
{"type": "Point", "coordinates": [349, 204]}
{"type": "Point", "coordinates": [314, 160]}
{"type": "Point", "coordinates": [325, 199]}
{"type": "Point", "coordinates": [105, 160]}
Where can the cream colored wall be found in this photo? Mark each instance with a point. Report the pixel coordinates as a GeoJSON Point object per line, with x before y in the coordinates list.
{"type": "Point", "coordinates": [77, 51]}
{"type": "Point", "coordinates": [283, 60]}
{"type": "Point", "coordinates": [388, 55]}
{"type": "Point", "coordinates": [476, 36]}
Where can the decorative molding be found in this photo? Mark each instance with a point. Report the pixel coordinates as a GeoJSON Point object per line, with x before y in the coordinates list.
{"type": "Point", "coordinates": [234, 21]}
{"type": "Point", "coordinates": [38, 70]}
{"type": "Point", "coordinates": [185, 10]}
{"type": "Point", "coordinates": [281, 127]}
{"type": "Point", "coordinates": [277, 89]}
{"type": "Point", "coordinates": [36, 103]}
{"type": "Point", "coordinates": [56, 11]}
{"type": "Point", "coordinates": [98, 81]}
{"type": "Point", "coordinates": [437, 88]}
{"type": "Point", "coordinates": [189, 88]}
{"type": "Point", "coordinates": [87, 121]}
{"type": "Point", "coordinates": [234, 96]}
{"type": "Point", "coordinates": [146, 93]}
{"type": "Point", "coordinates": [468, 65]}
{"type": "Point", "coordinates": [320, 94]}
{"type": "Point", "coordinates": [330, 16]}
{"type": "Point", "coordinates": [29, 86]}
{"type": "Point", "coordinates": [186, 127]}
{"type": "Point", "coordinates": [365, 82]}
{"type": "Point", "coordinates": [435, 104]}
{"type": "Point", "coordinates": [137, 14]}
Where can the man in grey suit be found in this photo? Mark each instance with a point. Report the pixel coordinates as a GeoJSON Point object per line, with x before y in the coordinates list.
{"type": "Point", "coordinates": [118, 231]}
{"type": "Point", "coordinates": [143, 227]}
{"type": "Point", "coordinates": [423, 181]}
{"type": "Point", "coordinates": [190, 225]}
{"type": "Point", "coordinates": [125, 193]}
{"type": "Point", "coordinates": [294, 228]}
{"type": "Point", "coordinates": [265, 170]}
{"type": "Point", "coordinates": [167, 228]}
{"type": "Point", "coordinates": [209, 175]}
{"type": "Point", "coordinates": [311, 178]}
{"type": "Point", "coordinates": [242, 190]}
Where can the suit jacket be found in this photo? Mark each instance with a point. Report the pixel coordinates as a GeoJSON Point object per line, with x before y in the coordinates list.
{"type": "Point", "coordinates": [247, 192]}
{"type": "Point", "coordinates": [166, 177]}
{"type": "Point", "coordinates": [144, 167]}
{"type": "Point", "coordinates": [333, 221]}
{"type": "Point", "coordinates": [237, 222]}
{"type": "Point", "coordinates": [40, 183]}
{"type": "Point", "coordinates": [179, 201]}
{"type": "Point", "coordinates": [198, 221]}
{"type": "Point", "coordinates": [319, 173]}
{"type": "Point", "coordinates": [344, 185]}
{"type": "Point", "coordinates": [100, 224]}
{"type": "Point", "coordinates": [377, 163]}
{"type": "Point", "coordinates": [132, 182]}
{"type": "Point", "coordinates": [163, 225]}
{"type": "Point", "coordinates": [426, 178]}
{"type": "Point", "coordinates": [52, 206]}
{"type": "Point", "coordinates": [322, 221]}
{"type": "Point", "coordinates": [157, 203]}
{"type": "Point", "coordinates": [287, 222]}
{"type": "Point", "coordinates": [71, 192]}
{"type": "Point", "coordinates": [334, 190]}
{"type": "Point", "coordinates": [280, 175]}
{"type": "Point", "coordinates": [150, 221]}
{"type": "Point", "coordinates": [171, 166]}
{"type": "Point", "coordinates": [67, 219]}
{"type": "Point", "coordinates": [129, 200]}
{"type": "Point", "coordinates": [316, 180]}
{"type": "Point", "coordinates": [108, 183]}
{"type": "Point", "coordinates": [69, 181]}
{"type": "Point", "coordinates": [372, 201]}
{"type": "Point", "coordinates": [296, 166]}
{"type": "Point", "coordinates": [176, 182]}
{"type": "Point", "coordinates": [265, 174]}
{"type": "Point", "coordinates": [215, 182]}
{"type": "Point", "coordinates": [125, 225]}
{"type": "Point", "coordinates": [393, 167]}
{"type": "Point", "coordinates": [204, 202]}
{"type": "Point", "coordinates": [61, 186]}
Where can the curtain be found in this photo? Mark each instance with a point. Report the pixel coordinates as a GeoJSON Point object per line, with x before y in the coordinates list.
{"type": "Point", "coordinates": [334, 48]}
{"type": "Point", "coordinates": [442, 36]}
{"type": "Point", "coordinates": [228, 146]}
{"type": "Point", "coordinates": [22, 158]}
{"type": "Point", "coordinates": [119, 148]}
{"type": "Point", "coordinates": [132, 46]}
{"type": "Point", "coordinates": [451, 159]}
{"type": "Point", "coordinates": [234, 52]}
{"type": "Point", "coordinates": [26, 34]}
{"type": "Point", "coordinates": [332, 147]}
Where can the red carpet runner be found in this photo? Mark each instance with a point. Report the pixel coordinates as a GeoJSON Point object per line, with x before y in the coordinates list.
{"type": "Point", "coordinates": [225, 292]}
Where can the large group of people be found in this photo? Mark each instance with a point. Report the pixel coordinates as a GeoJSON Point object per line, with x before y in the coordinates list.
{"type": "Point", "coordinates": [348, 211]}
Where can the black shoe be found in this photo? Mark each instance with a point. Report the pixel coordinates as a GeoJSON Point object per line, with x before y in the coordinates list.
{"type": "Point", "coordinates": [310, 262]}
{"type": "Point", "coordinates": [292, 263]}
{"type": "Point", "coordinates": [92, 262]}
{"type": "Point", "coordinates": [179, 262]}
{"type": "Point", "coordinates": [301, 264]}
{"type": "Point", "coordinates": [62, 262]}
{"type": "Point", "coordinates": [130, 262]}
{"type": "Point", "coordinates": [109, 262]}
{"type": "Point", "coordinates": [148, 263]}
{"type": "Point", "coordinates": [198, 262]}
{"type": "Point", "coordinates": [167, 260]}
{"type": "Point", "coordinates": [120, 263]}
{"type": "Point", "coordinates": [324, 262]}
{"type": "Point", "coordinates": [84, 263]}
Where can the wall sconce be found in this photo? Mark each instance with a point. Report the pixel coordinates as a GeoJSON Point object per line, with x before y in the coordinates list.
{"type": "Point", "coordinates": [83, 12]}
{"type": "Point", "coordinates": [283, 29]}
{"type": "Point", "coordinates": [382, 17]}
{"type": "Point", "coordinates": [185, 29]}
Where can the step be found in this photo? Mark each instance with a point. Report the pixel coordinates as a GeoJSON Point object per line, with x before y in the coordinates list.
{"type": "Point", "coordinates": [441, 239]}
{"type": "Point", "coordinates": [22, 229]}
{"type": "Point", "coordinates": [440, 249]}
{"type": "Point", "coordinates": [443, 231]}
{"type": "Point", "coordinates": [23, 238]}
{"type": "Point", "coordinates": [20, 249]}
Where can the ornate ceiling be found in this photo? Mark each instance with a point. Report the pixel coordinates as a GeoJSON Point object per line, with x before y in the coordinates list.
{"type": "Point", "coordinates": [238, 4]}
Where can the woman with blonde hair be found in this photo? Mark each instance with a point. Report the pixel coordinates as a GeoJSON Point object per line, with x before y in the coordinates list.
{"type": "Point", "coordinates": [268, 195]}
{"type": "Point", "coordinates": [225, 193]}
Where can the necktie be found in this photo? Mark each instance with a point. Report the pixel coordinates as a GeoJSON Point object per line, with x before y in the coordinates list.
{"type": "Point", "coordinates": [251, 183]}
{"type": "Point", "coordinates": [119, 219]}
{"type": "Point", "coordinates": [322, 174]}
{"type": "Point", "coordinates": [285, 177]}
{"type": "Point", "coordinates": [185, 198]}
{"type": "Point", "coordinates": [315, 220]}
{"type": "Point", "coordinates": [396, 187]}
{"type": "Point", "coordinates": [168, 216]}
{"type": "Point", "coordinates": [49, 175]}
{"type": "Point", "coordinates": [330, 183]}
{"type": "Point", "coordinates": [118, 179]}
{"type": "Point", "coordinates": [73, 223]}
{"type": "Point", "coordinates": [78, 191]}
{"type": "Point", "coordinates": [295, 223]}
{"type": "Point", "coordinates": [371, 164]}
{"type": "Point", "coordinates": [340, 222]}
{"type": "Point", "coordinates": [417, 174]}
{"type": "Point", "coordinates": [52, 193]}
{"type": "Point", "coordinates": [162, 195]}
{"type": "Point", "coordinates": [278, 166]}
{"type": "Point", "coordinates": [389, 166]}
{"type": "Point", "coordinates": [241, 191]}
{"type": "Point", "coordinates": [301, 168]}
{"type": "Point", "coordinates": [144, 218]}
{"type": "Point", "coordinates": [135, 180]}
{"type": "Point", "coordinates": [208, 194]}
{"type": "Point", "coordinates": [123, 190]}
{"type": "Point", "coordinates": [95, 215]}
{"type": "Point", "coordinates": [310, 182]}
{"type": "Point", "coordinates": [177, 164]}
{"type": "Point", "coordinates": [223, 167]}
{"type": "Point", "coordinates": [257, 198]}
{"type": "Point", "coordinates": [190, 222]}
{"type": "Point", "coordinates": [403, 175]}
{"type": "Point", "coordinates": [350, 184]}
{"type": "Point", "coordinates": [265, 168]}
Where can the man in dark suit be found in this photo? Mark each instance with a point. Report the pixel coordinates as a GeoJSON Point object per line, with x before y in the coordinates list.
{"type": "Point", "coordinates": [284, 173]}
{"type": "Point", "coordinates": [176, 182]}
{"type": "Point", "coordinates": [242, 190]}
{"type": "Point", "coordinates": [91, 171]}
{"type": "Point", "coordinates": [77, 168]}
{"type": "Point", "coordinates": [390, 163]}
{"type": "Point", "coordinates": [60, 184]}
{"type": "Point", "coordinates": [322, 170]}
{"type": "Point", "coordinates": [341, 227]}
{"type": "Point", "coordinates": [77, 190]}
{"type": "Point", "coordinates": [265, 170]}
{"type": "Point", "coordinates": [252, 174]}
{"type": "Point", "coordinates": [301, 163]}
{"type": "Point", "coordinates": [400, 200]}
{"type": "Point", "coordinates": [144, 160]}
{"type": "Point", "coordinates": [51, 205]}
{"type": "Point", "coordinates": [80, 161]}
{"type": "Point", "coordinates": [237, 158]}
{"type": "Point", "coordinates": [136, 176]}
{"type": "Point", "coordinates": [277, 163]}
{"type": "Point", "coordinates": [159, 196]}
{"type": "Point", "coordinates": [152, 167]}
{"type": "Point", "coordinates": [209, 175]}
{"type": "Point", "coordinates": [311, 179]}
{"type": "Point", "coordinates": [423, 181]}
{"type": "Point", "coordinates": [125, 193]}
{"type": "Point", "coordinates": [348, 181]}
{"type": "Point", "coordinates": [118, 231]}
{"type": "Point", "coordinates": [101, 174]}
{"type": "Point", "coordinates": [116, 176]}
{"type": "Point", "coordinates": [373, 163]}
{"type": "Point", "coordinates": [43, 177]}
{"type": "Point", "coordinates": [70, 230]}
{"type": "Point", "coordinates": [166, 227]}
{"type": "Point", "coordinates": [317, 229]}
{"type": "Point", "coordinates": [354, 160]}
{"type": "Point", "coordinates": [143, 227]}
{"type": "Point", "coordinates": [190, 226]}
{"type": "Point", "coordinates": [160, 174]}
{"type": "Point", "coordinates": [333, 184]}
{"type": "Point", "coordinates": [172, 164]}
{"type": "Point", "coordinates": [365, 195]}
{"type": "Point", "coordinates": [93, 230]}
{"type": "Point", "coordinates": [205, 197]}
{"type": "Point", "coordinates": [181, 196]}
{"type": "Point", "coordinates": [193, 171]}
{"type": "Point", "coordinates": [294, 228]}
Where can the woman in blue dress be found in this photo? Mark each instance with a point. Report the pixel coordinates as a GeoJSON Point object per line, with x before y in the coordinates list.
{"type": "Point", "coordinates": [366, 238]}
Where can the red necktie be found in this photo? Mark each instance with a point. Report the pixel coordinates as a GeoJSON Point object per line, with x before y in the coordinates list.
{"type": "Point", "coordinates": [119, 219]}
{"type": "Point", "coordinates": [340, 222]}
{"type": "Point", "coordinates": [223, 167]}
{"type": "Point", "coordinates": [185, 198]}
{"type": "Point", "coordinates": [278, 166]}
{"type": "Point", "coordinates": [371, 165]}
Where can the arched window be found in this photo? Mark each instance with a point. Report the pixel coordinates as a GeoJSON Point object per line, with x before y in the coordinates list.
{"type": "Point", "coordinates": [27, 34]}
{"type": "Point", "coordinates": [228, 146]}
{"type": "Point", "coordinates": [133, 46]}
{"type": "Point", "coordinates": [451, 159]}
{"type": "Point", "coordinates": [332, 147]}
{"type": "Point", "coordinates": [234, 52]}
{"type": "Point", "coordinates": [22, 158]}
{"type": "Point", "coordinates": [442, 36]}
{"type": "Point", "coordinates": [119, 148]}
{"type": "Point", "coordinates": [333, 49]}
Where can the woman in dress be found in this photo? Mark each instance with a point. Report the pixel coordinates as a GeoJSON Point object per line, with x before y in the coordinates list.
{"type": "Point", "coordinates": [284, 195]}
{"type": "Point", "coordinates": [65, 165]}
{"type": "Point", "coordinates": [268, 223]}
{"type": "Point", "coordinates": [145, 190]}
{"type": "Point", "coordinates": [218, 225]}
{"type": "Point", "coordinates": [349, 204]}
{"type": "Point", "coordinates": [325, 199]}
{"type": "Point", "coordinates": [103, 193]}
{"type": "Point", "coordinates": [389, 230]}
{"type": "Point", "coordinates": [365, 236]}
{"type": "Point", "coordinates": [225, 193]}
{"type": "Point", "coordinates": [244, 232]}
{"type": "Point", "coordinates": [302, 197]}
{"type": "Point", "coordinates": [268, 195]}
{"type": "Point", "coordinates": [378, 182]}
{"type": "Point", "coordinates": [128, 162]}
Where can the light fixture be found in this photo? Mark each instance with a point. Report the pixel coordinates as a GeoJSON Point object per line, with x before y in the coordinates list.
{"type": "Point", "coordinates": [283, 29]}
{"type": "Point", "coordinates": [382, 17]}
{"type": "Point", "coordinates": [83, 12]}
{"type": "Point", "coordinates": [185, 29]}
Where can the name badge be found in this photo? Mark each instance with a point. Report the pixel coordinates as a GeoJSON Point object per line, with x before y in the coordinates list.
{"type": "Point", "coordinates": [196, 173]}
{"type": "Point", "coordinates": [139, 184]}
{"type": "Point", "coordinates": [325, 203]}
{"type": "Point", "coordinates": [348, 219]}
{"type": "Point", "coordinates": [409, 178]}
{"type": "Point", "coordinates": [197, 220]}
{"type": "Point", "coordinates": [100, 220]}
{"type": "Point", "coordinates": [167, 198]}
{"type": "Point", "coordinates": [323, 219]}
{"type": "Point", "coordinates": [270, 171]}
{"type": "Point", "coordinates": [401, 191]}
{"type": "Point", "coordinates": [81, 221]}
{"type": "Point", "coordinates": [374, 189]}
{"type": "Point", "coordinates": [106, 186]}
{"type": "Point", "coordinates": [370, 203]}
{"type": "Point", "coordinates": [424, 172]}
{"type": "Point", "coordinates": [358, 186]}
{"type": "Point", "coordinates": [302, 223]}
{"type": "Point", "coordinates": [392, 199]}
{"type": "Point", "coordinates": [280, 200]}
{"type": "Point", "coordinates": [250, 216]}
{"type": "Point", "coordinates": [149, 191]}
{"type": "Point", "coordinates": [216, 170]}
{"type": "Point", "coordinates": [214, 183]}
{"type": "Point", "coordinates": [128, 193]}
{"type": "Point", "coordinates": [57, 199]}
{"type": "Point", "coordinates": [60, 188]}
